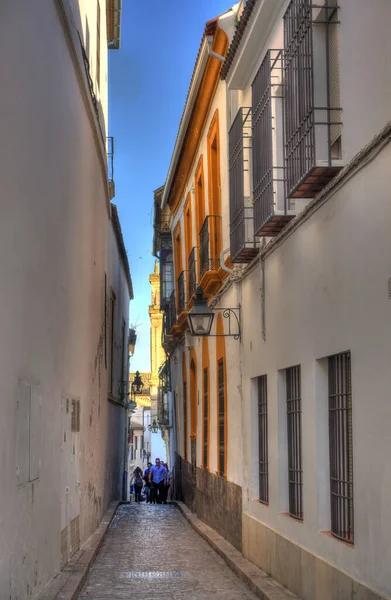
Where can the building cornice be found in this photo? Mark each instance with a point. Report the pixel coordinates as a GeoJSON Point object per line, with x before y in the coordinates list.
{"type": "Point", "coordinates": [121, 248]}
{"type": "Point", "coordinates": [113, 23]}
{"type": "Point", "coordinates": [201, 93]}
{"type": "Point", "coordinates": [72, 37]}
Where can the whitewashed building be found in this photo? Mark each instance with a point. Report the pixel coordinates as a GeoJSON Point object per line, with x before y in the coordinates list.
{"type": "Point", "coordinates": [288, 427]}
{"type": "Point", "coordinates": [65, 289]}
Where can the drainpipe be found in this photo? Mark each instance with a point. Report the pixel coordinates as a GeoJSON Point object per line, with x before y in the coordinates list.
{"type": "Point", "coordinates": [209, 41]}
{"type": "Point", "coordinates": [222, 263]}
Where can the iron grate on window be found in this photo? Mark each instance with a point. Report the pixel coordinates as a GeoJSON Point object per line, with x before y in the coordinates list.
{"type": "Point", "coordinates": [221, 417]}
{"type": "Point", "coordinates": [242, 241]}
{"type": "Point", "coordinates": [263, 455]}
{"type": "Point", "coordinates": [341, 447]}
{"type": "Point", "coordinates": [295, 469]}
{"type": "Point", "coordinates": [75, 416]}
{"type": "Point", "coordinates": [299, 92]}
{"type": "Point", "coordinates": [210, 236]}
{"type": "Point", "coordinates": [206, 418]}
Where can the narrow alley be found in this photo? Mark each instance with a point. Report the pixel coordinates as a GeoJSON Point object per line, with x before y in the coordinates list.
{"type": "Point", "coordinates": [150, 551]}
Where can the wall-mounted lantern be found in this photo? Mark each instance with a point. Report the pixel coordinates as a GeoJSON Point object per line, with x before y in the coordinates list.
{"type": "Point", "coordinates": [200, 318]}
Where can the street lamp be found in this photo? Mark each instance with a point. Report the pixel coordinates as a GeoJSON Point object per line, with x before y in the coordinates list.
{"type": "Point", "coordinates": [137, 384]}
{"type": "Point", "coordinates": [153, 427]}
{"type": "Point", "coordinates": [200, 317]}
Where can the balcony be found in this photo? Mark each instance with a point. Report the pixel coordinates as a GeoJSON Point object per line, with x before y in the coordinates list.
{"type": "Point", "coordinates": [110, 165]}
{"type": "Point", "coordinates": [312, 97]}
{"type": "Point", "coordinates": [182, 296]}
{"type": "Point", "coordinates": [192, 272]}
{"type": "Point", "coordinates": [271, 211]}
{"type": "Point", "coordinates": [243, 246]}
{"type": "Point", "coordinates": [210, 247]}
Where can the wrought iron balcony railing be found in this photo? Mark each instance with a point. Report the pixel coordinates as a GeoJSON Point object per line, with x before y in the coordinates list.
{"type": "Point", "coordinates": [170, 313]}
{"type": "Point", "coordinates": [182, 296]}
{"type": "Point", "coordinates": [242, 241]}
{"type": "Point", "coordinates": [110, 158]}
{"type": "Point", "coordinates": [271, 211]}
{"type": "Point", "coordinates": [311, 97]}
{"type": "Point", "coordinates": [210, 236]}
{"type": "Point", "coordinates": [192, 270]}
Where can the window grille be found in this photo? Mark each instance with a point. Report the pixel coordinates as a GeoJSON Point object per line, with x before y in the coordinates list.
{"type": "Point", "coordinates": [206, 418]}
{"type": "Point", "coordinates": [311, 96]}
{"type": "Point", "coordinates": [75, 416]}
{"type": "Point", "coordinates": [242, 240]}
{"type": "Point", "coordinates": [263, 459]}
{"type": "Point", "coordinates": [185, 419]}
{"type": "Point", "coordinates": [341, 447]}
{"type": "Point", "coordinates": [192, 266]}
{"type": "Point", "coordinates": [295, 470]}
{"type": "Point", "coordinates": [270, 204]}
{"type": "Point", "coordinates": [210, 235]}
{"type": "Point", "coordinates": [182, 300]}
{"type": "Point", "coordinates": [221, 419]}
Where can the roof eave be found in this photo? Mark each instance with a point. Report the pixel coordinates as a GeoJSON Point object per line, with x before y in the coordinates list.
{"type": "Point", "coordinates": [114, 39]}
{"type": "Point", "coordinates": [192, 96]}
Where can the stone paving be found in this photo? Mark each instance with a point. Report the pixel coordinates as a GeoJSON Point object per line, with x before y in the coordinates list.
{"type": "Point", "coordinates": [151, 552]}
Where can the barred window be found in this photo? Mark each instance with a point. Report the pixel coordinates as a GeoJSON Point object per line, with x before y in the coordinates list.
{"type": "Point", "coordinates": [295, 469]}
{"type": "Point", "coordinates": [221, 417]}
{"type": "Point", "coordinates": [341, 446]}
{"type": "Point", "coordinates": [263, 460]}
{"type": "Point", "coordinates": [206, 418]}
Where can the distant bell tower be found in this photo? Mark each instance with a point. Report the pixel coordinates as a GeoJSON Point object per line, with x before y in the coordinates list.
{"type": "Point", "coordinates": [156, 318]}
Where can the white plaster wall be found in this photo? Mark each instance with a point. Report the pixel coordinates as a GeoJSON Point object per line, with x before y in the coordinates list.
{"type": "Point", "coordinates": [219, 102]}
{"type": "Point", "coordinates": [327, 292]}
{"type": "Point", "coordinates": [54, 255]}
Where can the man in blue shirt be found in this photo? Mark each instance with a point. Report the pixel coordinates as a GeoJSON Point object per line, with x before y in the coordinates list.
{"type": "Point", "coordinates": [158, 478]}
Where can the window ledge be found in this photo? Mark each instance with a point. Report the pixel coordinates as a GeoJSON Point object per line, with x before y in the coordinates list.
{"type": "Point", "coordinates": [337, 539]}
{"type": "Point", "coordinates": [296, 519]}
{"type": "Point", "coordinates": [261, 502]}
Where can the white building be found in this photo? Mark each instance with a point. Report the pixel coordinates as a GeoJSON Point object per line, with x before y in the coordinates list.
{"type": "Point", "coordinates": [286, 429]}
{"type": "Point", "coordinates": [65, 290]}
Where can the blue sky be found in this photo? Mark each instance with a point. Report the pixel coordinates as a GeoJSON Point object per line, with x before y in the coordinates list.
{"type": "Point", "coordinates": [148, 81]}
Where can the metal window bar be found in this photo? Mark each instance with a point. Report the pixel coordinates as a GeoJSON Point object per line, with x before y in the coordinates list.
{"type": "Point", "coordinates": [341, 447]}
{"type": "Point", "coordinates": [206, 418]}
{"type": "Point", "coordinates": [295, 469]}
{"type": "Point", "coordinates": [242, 240]}
{"type": "Point", "coordinates": [299, 92]}
{"type": "Point", "coordinates": [185, 419]}
{"type": "Point", "coordinates": [267, 140]}
{"type": "Point", "coordinates": [170, 313]}
{"type": "Point", "coordinates": [192, 270]}
{"type": "Point", "coordinates": [182, 298]}
{"type": "Point", "coordinates": [263, 455]}
{"type": "Point", "coordinates": [221, 417]}
{"type": "Point", "coordinates": [110, 158]}
{"type": "Point", "coordinates": [302, 116]}
{"type": "Point", "coordinates": [209, 244]}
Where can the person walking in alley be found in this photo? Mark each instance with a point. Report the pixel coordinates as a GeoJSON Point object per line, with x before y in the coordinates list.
{"type": "Point", "coordinates": [148, 485]}
{"type": "Point", "coordinates": [137, 480]}
{"type": "Point", "coordinates": [158, 478]}
{"type": "Point", "coordinates": [168, 483]}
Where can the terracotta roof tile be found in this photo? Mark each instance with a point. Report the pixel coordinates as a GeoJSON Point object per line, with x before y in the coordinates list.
{"type": "Point", "coordinates": [244, 19]}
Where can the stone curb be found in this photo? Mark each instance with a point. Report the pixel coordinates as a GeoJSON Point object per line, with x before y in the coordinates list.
{"type": "Point", "coordinates": [68, 583]}
{"type": "Point", "coordinates": [264, 586]}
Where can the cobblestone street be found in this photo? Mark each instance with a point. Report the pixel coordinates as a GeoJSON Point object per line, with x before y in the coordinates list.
{"type": "Point", "coordinates": [151, 552]}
